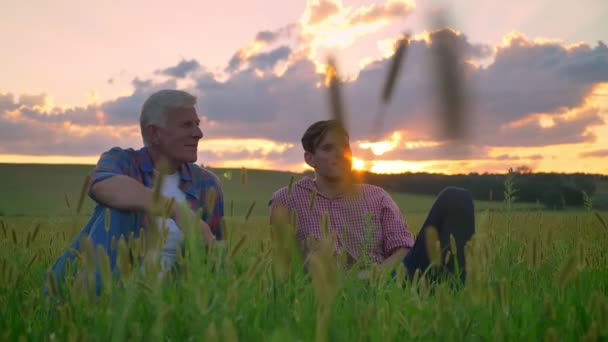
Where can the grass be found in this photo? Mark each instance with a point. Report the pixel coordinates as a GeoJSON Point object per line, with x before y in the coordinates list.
{"type": "Point", "coordinates": [532, 275]}
{"type": "Point", "coordinates": [41, 191]}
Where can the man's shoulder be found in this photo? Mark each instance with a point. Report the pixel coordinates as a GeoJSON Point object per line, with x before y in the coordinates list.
{"type": "Point", "coordinates": [282, 196]}
{"type": "Point", "coordinates": [203, 175]}
{"type": "Point", "coordinates": [117, 151]}
{"type": "Point", "coordinates": [375, 194]}
{"type": "Point", "coordinates": [119, 157]}
{"type": "Point", "coordinates": [281, 193]}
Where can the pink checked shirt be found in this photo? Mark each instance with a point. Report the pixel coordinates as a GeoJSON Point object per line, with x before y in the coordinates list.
{"type": "Point", "coordinates": [369, 220]}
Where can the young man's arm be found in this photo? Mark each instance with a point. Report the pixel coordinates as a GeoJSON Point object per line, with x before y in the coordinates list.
{"type": "Point", "coordinates": [397, 238]}
{"type": "Point", "coordinates": [279, 213]}
{"type": "Point", "coordinates": [397, 256]}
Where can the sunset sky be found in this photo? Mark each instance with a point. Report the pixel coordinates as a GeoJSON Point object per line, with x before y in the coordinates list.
{"type": "Point", "coordinates": [74, 74]}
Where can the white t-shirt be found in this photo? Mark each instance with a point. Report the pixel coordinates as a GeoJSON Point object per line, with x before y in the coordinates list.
{"type": "Point", "coordinates": [170, 188]}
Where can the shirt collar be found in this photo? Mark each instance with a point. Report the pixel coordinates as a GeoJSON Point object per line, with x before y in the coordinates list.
{"type": "Point", "coordinates": [185, 173]}
{"type": "Point", "coordinates": [309, 184]}
{"type": "Point", "coordinates": [145, 164]}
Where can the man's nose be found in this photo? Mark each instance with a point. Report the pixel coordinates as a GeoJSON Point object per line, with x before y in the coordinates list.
{"type": "Point", "coordinates": [198, 133]}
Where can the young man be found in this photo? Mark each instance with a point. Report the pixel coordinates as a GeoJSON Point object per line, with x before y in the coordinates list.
{"type": "Point", "coordinates": [122, 182]}
{"type": "Point", "coordinates": [364, 217]}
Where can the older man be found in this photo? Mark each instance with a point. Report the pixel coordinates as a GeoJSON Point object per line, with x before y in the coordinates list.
{"type": "Point", "coordinates": [123, 179]}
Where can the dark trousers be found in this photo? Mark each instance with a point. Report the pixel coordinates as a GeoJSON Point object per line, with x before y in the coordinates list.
{"type": "Point", "coordinates": [452, 214]}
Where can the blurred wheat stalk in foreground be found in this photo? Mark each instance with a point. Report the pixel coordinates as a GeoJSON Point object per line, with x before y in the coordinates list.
{"type": "Point", "coordinates": [446, 70]}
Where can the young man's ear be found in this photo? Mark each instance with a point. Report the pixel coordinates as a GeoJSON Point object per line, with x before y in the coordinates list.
{"type": "Point", "coordinates": [309, 159]}
{"type": "Point", "coordinates": [153, 133]}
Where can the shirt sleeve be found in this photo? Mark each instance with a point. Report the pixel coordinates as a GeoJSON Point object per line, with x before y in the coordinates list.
{"type": "Point", "coordinates": [213, 195]}
{"type": "Point", "coordinates": [394, 229]}
{"type": "Point", "coordinates": [278, 200]}
{"type": "Point", "coordinates": [111, 163]}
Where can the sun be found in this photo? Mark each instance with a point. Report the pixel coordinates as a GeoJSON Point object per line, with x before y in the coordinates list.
{"type": "Point", "coordinates": [358, 164]}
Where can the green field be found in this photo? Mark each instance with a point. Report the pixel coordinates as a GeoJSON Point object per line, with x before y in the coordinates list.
{"type": "Point", "coordinates": [533, 275]}
{"type": "Point", "coordinates": [41, 190]}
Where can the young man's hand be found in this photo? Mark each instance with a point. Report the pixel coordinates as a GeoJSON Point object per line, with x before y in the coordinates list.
{"type": "Point", "coordinates": [364, 275]}
{"type": "Point", "coordinates": [394, 258]}
{"type": "Point", "coordinates": [397, 256]}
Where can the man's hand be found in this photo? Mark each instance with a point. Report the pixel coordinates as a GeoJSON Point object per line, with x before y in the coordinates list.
{"type": "Point", "coordinates": [178, 215]}
{"type": "Point", "coordinates": [397, 256]}
{"type": "Point", "coordinates": [363, 275]}
{"type": "Point", "coordinates": [208, 235]}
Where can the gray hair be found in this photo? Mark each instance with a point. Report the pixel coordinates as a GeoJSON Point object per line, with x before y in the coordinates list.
{"type": "Point", "coordinates": [159, 105]}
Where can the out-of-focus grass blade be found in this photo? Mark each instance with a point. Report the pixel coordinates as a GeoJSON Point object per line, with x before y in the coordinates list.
{"type": "Point", "coordinates": [83, 192]}
{"type": "Point", "coordinates": [243, 176]}
{"type": "Point", "coordinates": [400, 50]}
{"type": "Point", "coordinates": [249, 211]}
{"type": "Point", "coordinates": [601, 219]}
{"type": "Point", "coordinates": [35, 233]}
{"type": "Point", "coordinates": [332, 81]}
{"type": "Point", "coordinates": [67, 200]}
{"type": "Point", "coordinates": [447, 57]}
{"type": "Point", "coordinates": [391, 80]}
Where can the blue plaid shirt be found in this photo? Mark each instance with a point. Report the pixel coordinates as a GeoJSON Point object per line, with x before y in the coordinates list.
{"type": "Point", "coordinates": [195, 182]}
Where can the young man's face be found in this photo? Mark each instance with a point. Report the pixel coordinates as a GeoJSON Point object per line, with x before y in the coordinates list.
{"type": "Point", "coordinates": [332, 157]}
{"type": "Point", "coordinates": [178, 140]}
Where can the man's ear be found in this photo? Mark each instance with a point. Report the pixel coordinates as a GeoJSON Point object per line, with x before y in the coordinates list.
{"type": "Point", "coordinates": [309, 159]}
{"type": "Point", "coordinates": [153, 134]}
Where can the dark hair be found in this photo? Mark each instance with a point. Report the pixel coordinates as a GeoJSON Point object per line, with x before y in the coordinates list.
{"type": "Point", "coordinates": [317, 131]}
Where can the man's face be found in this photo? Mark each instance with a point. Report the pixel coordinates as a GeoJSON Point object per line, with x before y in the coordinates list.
{"type": "Point", "coordinates": [332, 157]}
{"type": "Point", "coordinates": [178, 140]}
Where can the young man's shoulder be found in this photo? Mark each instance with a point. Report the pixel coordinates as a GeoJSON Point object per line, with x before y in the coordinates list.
{"type": "Point", "coordinates": [300, 188]}
{"type": "Point", "coordinates": [370, 189]}
{"type": "Point", "coordinates": [291, 196]}
{"type": "Point", "coordinates": [280, 195]}
{"type": "Point", "coordinates": [375, 194]}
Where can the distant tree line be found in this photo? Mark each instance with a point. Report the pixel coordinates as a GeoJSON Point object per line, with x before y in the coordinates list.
{"type": "Point", "coordinates": [553, 190]}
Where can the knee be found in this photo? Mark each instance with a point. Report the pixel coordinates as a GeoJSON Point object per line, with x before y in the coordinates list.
{"type": "Point", "coordinates": [453, 194]}
{"type": "Point", "coordinates": [112, 216]}
{"type": "Point", "coordinates": [107, 222]}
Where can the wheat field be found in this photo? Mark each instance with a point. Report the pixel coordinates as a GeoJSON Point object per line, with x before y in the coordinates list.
{"type": "Point", "coordinates": [533, 275]}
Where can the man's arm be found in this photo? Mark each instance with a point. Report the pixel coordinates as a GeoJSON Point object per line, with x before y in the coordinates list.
{"type": "Point", "coordinates": [278, 208]}
{"type": "Point", "coordinates": [112, 184]}
{"type": "Point", "coordinates": [122, 192]}
{"type": "Point", "coordinates": [213, 195]}
{"type": "Point", "coordinates": [278, 214]}
{"type": "Point", "coordinates": [125, 193]}
{"type": "Point", "coordinates": [395, 257]}
{"type": "Point", "coordinates": [397, 238]}
{"type": "Point", "coordinates": [113, 187]}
